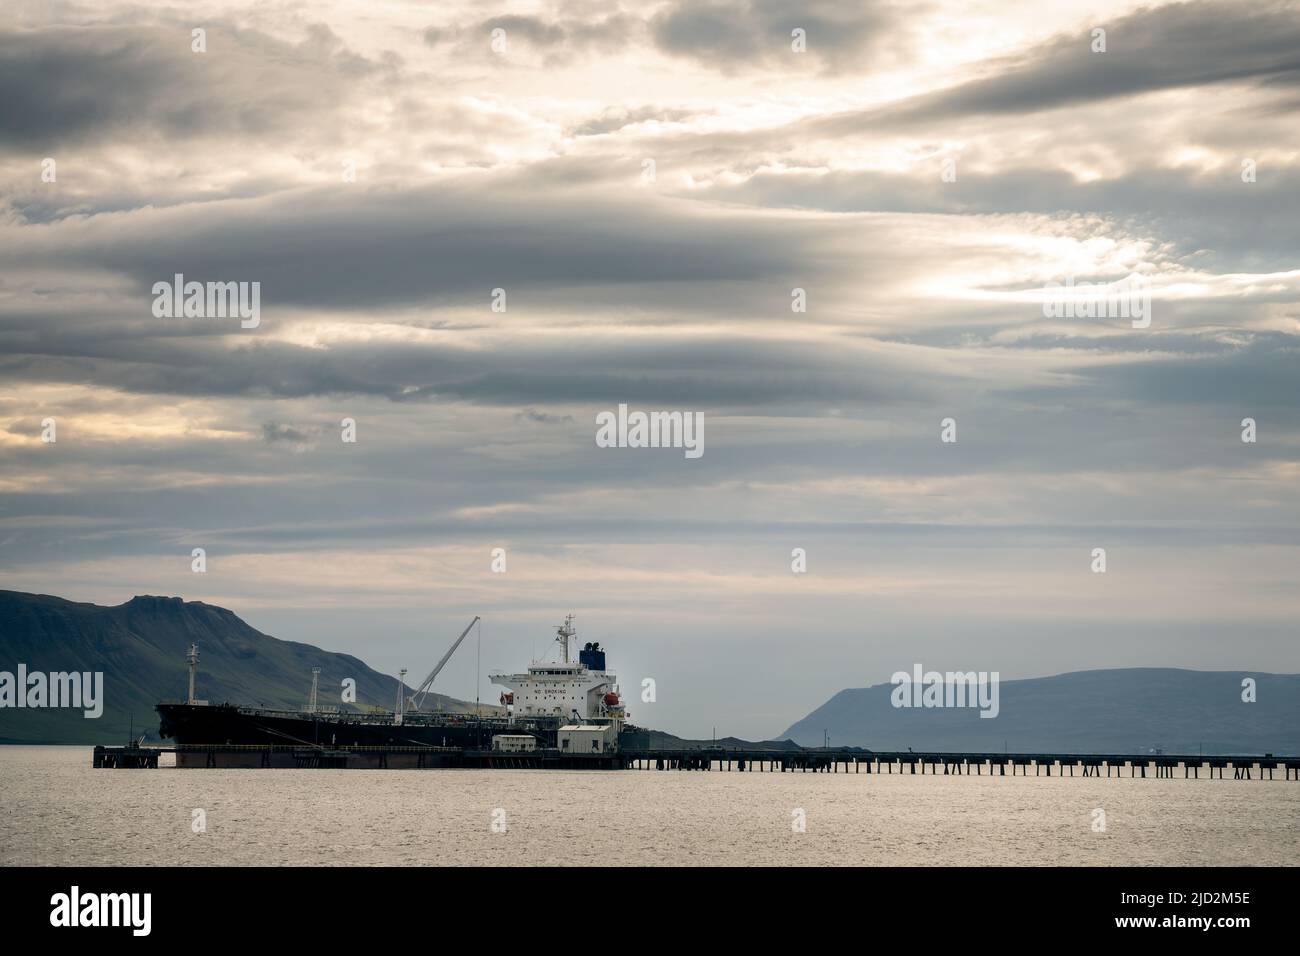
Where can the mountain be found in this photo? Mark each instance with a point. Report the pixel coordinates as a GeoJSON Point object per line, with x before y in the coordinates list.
{"type": "Point", "coordinates": [140, 647]}
{"type": "Point", "coordinates": [646, 739]}
{"type": "Point", "coordinates": [1129, 710]}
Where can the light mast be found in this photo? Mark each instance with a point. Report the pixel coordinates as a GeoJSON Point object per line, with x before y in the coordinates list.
{"type": "Point", "coordinates": [192, 658]}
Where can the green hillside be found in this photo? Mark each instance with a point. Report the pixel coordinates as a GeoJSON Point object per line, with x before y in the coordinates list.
{"type": "Point", "coordinates": [140, 647]}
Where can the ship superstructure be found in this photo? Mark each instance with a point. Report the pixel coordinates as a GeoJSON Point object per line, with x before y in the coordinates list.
{"type": "Point", "coordinates": [579, 691]}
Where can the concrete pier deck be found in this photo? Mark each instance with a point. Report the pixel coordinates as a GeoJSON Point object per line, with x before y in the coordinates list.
{"type": "Point", "coordinates": [1241, 766]}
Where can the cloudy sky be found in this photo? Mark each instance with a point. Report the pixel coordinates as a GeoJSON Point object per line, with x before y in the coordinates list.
{"type": "Point", "coordinates": [648, 183]}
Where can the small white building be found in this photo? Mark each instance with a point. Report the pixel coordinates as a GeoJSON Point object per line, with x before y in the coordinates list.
{"type": "Point", "coordinates": [514, 743]}
{"type": "Point", "coordinates": [587, 738]}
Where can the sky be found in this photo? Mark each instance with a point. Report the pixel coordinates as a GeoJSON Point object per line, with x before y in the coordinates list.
{"type": "Point", "coordinates": [648, 184]}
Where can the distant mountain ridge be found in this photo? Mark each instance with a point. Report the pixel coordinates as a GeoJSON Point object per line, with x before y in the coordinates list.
{"type": "Point", "coordinates": [1129, 710]}
{"type": "Point", "coordinates": [140, 647]}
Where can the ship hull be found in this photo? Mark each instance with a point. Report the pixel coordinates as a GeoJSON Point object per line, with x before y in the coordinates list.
{"type": "Point", "coordinates": [229, 727]}
{"type": "Point", "coordinates": [190, 724]}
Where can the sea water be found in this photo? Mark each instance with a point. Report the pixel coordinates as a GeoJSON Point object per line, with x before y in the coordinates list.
{"type": "Point", "coordinates": [56, 809]}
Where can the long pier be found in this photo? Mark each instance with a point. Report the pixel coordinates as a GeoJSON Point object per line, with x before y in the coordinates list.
{"type": "Point", "coordinates": [1242, 766]}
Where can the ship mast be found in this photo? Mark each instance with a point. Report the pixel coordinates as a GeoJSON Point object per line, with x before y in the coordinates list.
{"type": "Point", "coordinates": [562, 635]}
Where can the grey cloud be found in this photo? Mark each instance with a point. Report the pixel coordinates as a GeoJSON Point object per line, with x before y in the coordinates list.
{"type": "Point", "coordinates": [1251, 227]}
{"type": "Point", "coordinates": [1166, 47]}
{"type": "Point", "coordinates": [66, 85]}
{"type": "Point", "coordinates": [726, 35]}
{"type": "Point", "coordinates": [734, 35]}
{"type": "Point", "coordinates": [276, 433]}
{"type": "Point", "coordinates": [1259, 375]}
{"type": "Point", "coordinates": [822, 428]}
{"type": "Point", "coordinates": [1011, 452]}
{"type": "Point", "coordinates": [335, 249]}
{"type": "Point", "coordinates": [542, 418]}
{"type": "Point", "coordinates": [561, 38]}
{"type": "Point", "coordinates": [722, 371]}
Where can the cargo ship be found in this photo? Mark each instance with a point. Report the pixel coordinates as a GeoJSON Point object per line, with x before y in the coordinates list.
{"type": "Point", "coordinates": [551, 705]}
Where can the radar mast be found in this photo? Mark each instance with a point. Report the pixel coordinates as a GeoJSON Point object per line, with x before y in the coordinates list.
{"type": "Point", "coordinates": [562, 635]}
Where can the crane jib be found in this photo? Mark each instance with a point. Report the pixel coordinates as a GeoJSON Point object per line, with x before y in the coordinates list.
{"type": "Point", "coordinates": [423, 690]}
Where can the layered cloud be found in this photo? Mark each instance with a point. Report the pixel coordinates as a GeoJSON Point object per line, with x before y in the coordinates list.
{"type": "Point", "coordinates": [476, 227]}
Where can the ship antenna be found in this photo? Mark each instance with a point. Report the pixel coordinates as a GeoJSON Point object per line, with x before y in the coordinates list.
{"type": "Point", "coordinates": [562, 635]}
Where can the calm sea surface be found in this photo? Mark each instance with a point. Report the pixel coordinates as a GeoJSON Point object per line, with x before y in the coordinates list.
{"type": "Point", "coordinates": [54, 809]}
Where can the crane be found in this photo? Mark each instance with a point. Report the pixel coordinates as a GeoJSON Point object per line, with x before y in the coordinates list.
{"type": "Point", "coordinates": [417, 698]}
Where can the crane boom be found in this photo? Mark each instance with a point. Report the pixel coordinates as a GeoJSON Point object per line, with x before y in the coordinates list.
{"type": "Point", "coordinates": [422, 691]}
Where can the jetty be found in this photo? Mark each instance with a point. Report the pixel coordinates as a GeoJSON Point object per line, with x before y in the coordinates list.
{"type": "Point", "coordinates": [711, 759]}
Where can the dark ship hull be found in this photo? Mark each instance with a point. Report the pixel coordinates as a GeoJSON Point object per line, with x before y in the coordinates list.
{"type": "Point", "coordinates": [230, 727]}
{"type": "Point", "coordinates": [229, 724]}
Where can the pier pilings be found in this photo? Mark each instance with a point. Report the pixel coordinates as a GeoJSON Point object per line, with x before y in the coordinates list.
{"type": "Point", "coordinates": [730, 760]}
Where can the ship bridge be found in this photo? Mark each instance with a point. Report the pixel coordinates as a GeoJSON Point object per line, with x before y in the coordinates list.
{"type": "Point", "coordinates": [563, 689]}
